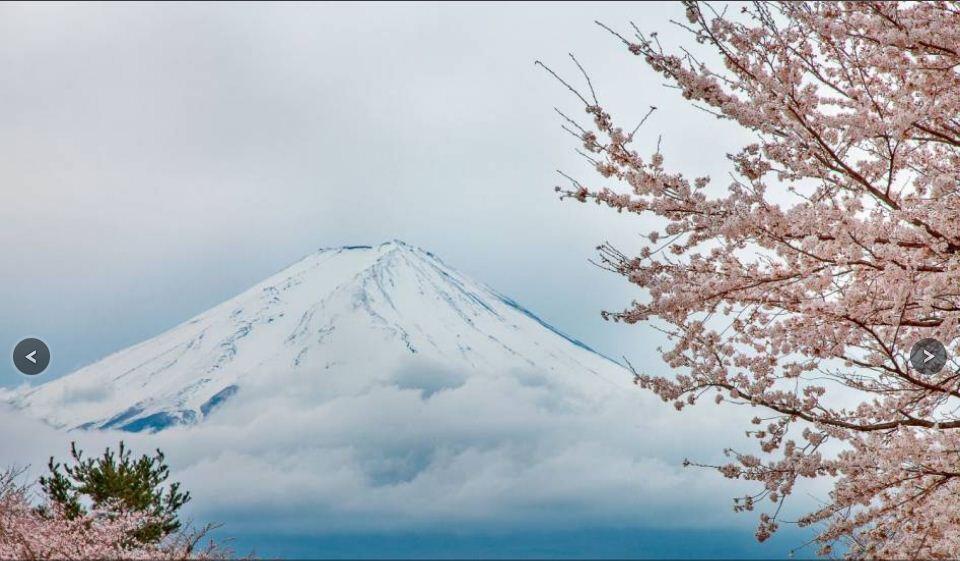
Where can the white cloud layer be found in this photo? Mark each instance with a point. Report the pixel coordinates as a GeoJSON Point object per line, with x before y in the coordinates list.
{"type": "Point", "coordinates": [486, 452]}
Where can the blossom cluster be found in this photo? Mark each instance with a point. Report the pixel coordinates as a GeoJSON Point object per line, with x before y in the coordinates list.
{"type": "Point", "coordinates": [30, 531]}
{"type": "Point", "coordinates": [799, 286]}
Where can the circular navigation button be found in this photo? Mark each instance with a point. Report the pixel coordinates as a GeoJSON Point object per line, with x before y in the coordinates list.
{"type": "Point", "coordinates": [928, 356]}
{"type": "Point", "coordinates": [31, 356]}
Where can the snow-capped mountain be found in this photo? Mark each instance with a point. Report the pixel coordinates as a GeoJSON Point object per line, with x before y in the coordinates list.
{"type": "Point", "coordinates": [343, 319]}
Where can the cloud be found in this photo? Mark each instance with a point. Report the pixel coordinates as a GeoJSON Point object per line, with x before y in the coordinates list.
{"type": "Point", "coordinates": [421, 449]}
{"type": "Point", "coordinates": [429, 379]}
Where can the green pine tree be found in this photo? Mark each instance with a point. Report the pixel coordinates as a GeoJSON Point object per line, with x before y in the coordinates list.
{"type": "Point", "coordinates": [118, 479]}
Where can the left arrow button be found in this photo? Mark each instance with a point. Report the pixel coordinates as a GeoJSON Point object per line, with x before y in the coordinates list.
{"type": "Point", "coordinates": [31, 356]}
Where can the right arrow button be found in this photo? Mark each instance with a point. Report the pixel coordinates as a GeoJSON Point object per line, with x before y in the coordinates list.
{"type": "Point", "coordinates": [928, 356]}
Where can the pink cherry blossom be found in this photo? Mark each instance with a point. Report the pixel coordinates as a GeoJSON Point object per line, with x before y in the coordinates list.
{"type": "Point", "coordinates": [799, 285]}
{"type": "Point", "coordinates": [30, 531]}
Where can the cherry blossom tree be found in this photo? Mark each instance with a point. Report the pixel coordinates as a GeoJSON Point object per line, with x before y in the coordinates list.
{"type": "Point", "coordinates": [29, 531]}
{"type": "Point", "coordinates": [798, 286]}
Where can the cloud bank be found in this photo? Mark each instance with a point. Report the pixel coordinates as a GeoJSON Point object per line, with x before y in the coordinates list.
{"type": "Point", "coordinates": [426, 449]}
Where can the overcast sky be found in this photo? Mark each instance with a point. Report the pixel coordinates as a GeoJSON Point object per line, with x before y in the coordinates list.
{"type": "Point", "coordinates": [157, 159]}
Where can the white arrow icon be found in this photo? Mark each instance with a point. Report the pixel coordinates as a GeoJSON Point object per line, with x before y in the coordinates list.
{"type": "Point", "coordinates": [927, 356]}
{"type": "Point", "coordinates": [32, 357]}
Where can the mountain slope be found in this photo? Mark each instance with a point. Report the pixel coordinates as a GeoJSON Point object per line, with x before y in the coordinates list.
{"type": "Point", "coordinates": [348, 318]}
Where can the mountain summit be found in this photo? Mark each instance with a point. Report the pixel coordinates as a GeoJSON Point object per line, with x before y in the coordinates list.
{"type": "Point", "coordinates": [343, 319]}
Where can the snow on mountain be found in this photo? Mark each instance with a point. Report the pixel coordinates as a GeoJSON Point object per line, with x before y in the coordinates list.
{"type": "Point", "coordinates": [344, 320]}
